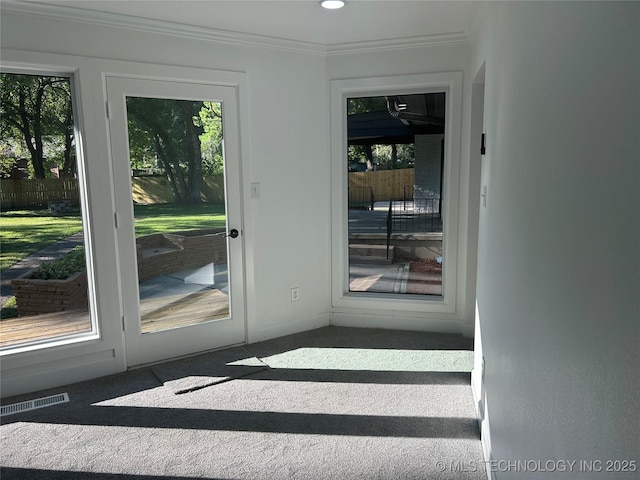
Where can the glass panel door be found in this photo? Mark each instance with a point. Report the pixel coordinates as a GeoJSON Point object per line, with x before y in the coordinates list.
{"type": "Point", "coordinates": [184, 226]}
{"type": "Point", "coordinates": [177, 165]}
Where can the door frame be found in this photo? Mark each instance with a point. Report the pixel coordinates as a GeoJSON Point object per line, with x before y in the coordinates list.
{"type": "Point", "coordinates": [163, 345]}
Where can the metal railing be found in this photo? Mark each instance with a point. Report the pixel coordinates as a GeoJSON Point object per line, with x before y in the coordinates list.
{"type": "Point", "coordinates": [420, 215]}
{"type": "Point", "coordinates": [415, 215]}
{"type": "Point", "coordinates": [411, 192]}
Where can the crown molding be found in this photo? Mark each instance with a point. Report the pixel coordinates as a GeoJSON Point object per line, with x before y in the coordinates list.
{"type": "Point", "coordinates": [479, 20]}
{"type": "Point", "coordinates": [159, 27]}
{"type": "Point", "coordinates": [223, 36]}
{"type": "Point", "coordinates": [441, 40]}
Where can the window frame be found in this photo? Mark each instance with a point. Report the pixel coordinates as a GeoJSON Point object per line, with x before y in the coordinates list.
{"type": "Point", "coordinates": [62, 362]}
{"type": "Point", "coordinates": [83, 188]}
{"type": "Point", "coordinates": [344, 301]}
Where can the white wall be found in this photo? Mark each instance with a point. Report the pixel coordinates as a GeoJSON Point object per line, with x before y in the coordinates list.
{"type": "Point", "coordinates": [284, 138]}
{"type": "Point", "coordinates": [416, 61]}
{"type": "Point", "coordinates": [559, 262]}
{"type": "Point", "coordinates": [286, 145]}
{"type": "Point", "coordinates": [287, 150]}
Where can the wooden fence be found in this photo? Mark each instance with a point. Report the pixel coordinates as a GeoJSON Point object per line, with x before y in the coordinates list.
{"type": "Point", "coordinates": [38, 192]}
{"type": "Point", "coordinates": [150, 190]}
{"type": "Point", "coordinates": [386, 184]}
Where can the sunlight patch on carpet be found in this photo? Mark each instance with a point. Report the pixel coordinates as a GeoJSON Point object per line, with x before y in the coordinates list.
{"type": "Point", "coordinates": [391, 360]}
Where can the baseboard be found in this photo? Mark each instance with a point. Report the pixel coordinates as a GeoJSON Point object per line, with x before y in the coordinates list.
{"type": "Point", "coordinates": [483, 419]}
{"type": "Point", "coordinates": [288, 328]}
{"type": "Point", "coordinates": [397, 321]}
{"type": "Point", "coordinates": [52, 374]}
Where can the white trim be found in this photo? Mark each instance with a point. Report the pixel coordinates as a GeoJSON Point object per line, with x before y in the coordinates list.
{"type": "Point", "coordinates": [199, 336]}
{"type": "Point", "coordinates": [54, 367]}
{"type": "Point", "coordinates": [480, 401]}
{"type": "Point", "coordinates": [397, 321]}
{"type": "Point", "coordinates": [229, 37]}
{"type": "Point", "coordinates": [86, 358]}
{"type": "Point", "coordinates": [71, 73]}
{"type": "Point", "coordinates": [444, 307]}
{"type": "Point", "coordinates": [423, 41]}
{"type": "Point", "coordinates": [140, 24]}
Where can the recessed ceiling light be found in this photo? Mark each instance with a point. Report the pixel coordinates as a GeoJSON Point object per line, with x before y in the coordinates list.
{"type": "Point", "coordinates": [332, 4]}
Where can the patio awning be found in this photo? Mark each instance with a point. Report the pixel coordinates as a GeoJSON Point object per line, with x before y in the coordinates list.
{"type": "Point", "coordinates": [405, 117]}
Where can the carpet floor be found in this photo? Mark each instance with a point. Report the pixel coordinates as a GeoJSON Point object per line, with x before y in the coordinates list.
{"type": "Point", "coordinates": [332, 403]}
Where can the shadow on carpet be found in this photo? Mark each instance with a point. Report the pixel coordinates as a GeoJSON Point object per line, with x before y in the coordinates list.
{"type": "Point", "coordinates": [32, 473]}
{"type": "Point", "coordinates": [194, 373]}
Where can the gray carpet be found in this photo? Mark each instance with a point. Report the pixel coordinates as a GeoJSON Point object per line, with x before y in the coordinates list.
{"type": "Point", "coordinates": [336, 403]}
{"type": "Point", "coordinates": [189, 374]}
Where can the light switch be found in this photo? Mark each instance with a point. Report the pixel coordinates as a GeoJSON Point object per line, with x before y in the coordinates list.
{"type": "Point", "coordinates": [255, 190]}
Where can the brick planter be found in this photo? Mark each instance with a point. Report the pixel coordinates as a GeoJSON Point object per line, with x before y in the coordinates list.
{"type": "Point", "coordinates": [162, 254]}
{"type": "Point", "coordinates": [35, 296]}
{"type": "Point", "coordinates": [158, 254]}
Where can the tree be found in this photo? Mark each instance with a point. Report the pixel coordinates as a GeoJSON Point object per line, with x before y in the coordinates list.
{"type": "Point", "coordinates": [156, 122]}
{"type": "Point", "coordinates": [366, 104]}
{"type": "Point", "coordinates": [184, 137]}
{"type": "Point", "coordinates": [391, 155]}
{"type": "Point", "coordinates": [211, 139]}
{"type": "Point", "coordinates": [36, 112]}
{"type": "Point", "coordinates": [69, 164]}
{"type": "Point", "coordinates": [193, 129]}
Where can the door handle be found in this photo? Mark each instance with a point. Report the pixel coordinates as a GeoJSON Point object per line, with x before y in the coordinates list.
{"type": "Point", "coordinates": [233, 233]}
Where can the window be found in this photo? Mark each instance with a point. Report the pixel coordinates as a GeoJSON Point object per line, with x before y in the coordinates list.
{"type": "Point", "coordinates": [45, 275]}
{"type": "Point", "coordinates": [395, 168]}
{"type": "Point", "coordinates": [395, 161]}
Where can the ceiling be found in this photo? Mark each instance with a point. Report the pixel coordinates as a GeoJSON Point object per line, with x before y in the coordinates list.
{"type": "Point", "coordinates": [301, 20]}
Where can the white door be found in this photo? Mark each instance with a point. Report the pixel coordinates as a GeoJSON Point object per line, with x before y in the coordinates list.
{"type": "Point", "coordinates": [176, 167]}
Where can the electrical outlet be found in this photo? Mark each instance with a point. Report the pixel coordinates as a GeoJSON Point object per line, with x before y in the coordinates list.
{"type": "Point", "coordinates": [295, 294]}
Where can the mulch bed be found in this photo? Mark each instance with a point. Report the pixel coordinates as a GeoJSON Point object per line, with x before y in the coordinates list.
{"type": "Point", "coordinates": [425, 277]}
{"type": "Point", "coordinates": [426, 265]}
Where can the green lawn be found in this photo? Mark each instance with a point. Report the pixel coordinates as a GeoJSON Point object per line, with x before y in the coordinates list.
{"type": "Point", "coordinates": [174, 217]}
{"type": "Point", "coordinates": [23, 232]}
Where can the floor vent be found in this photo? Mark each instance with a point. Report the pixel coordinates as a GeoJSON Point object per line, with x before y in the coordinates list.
{"type": "Point", "coordinates": [33, 404]}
